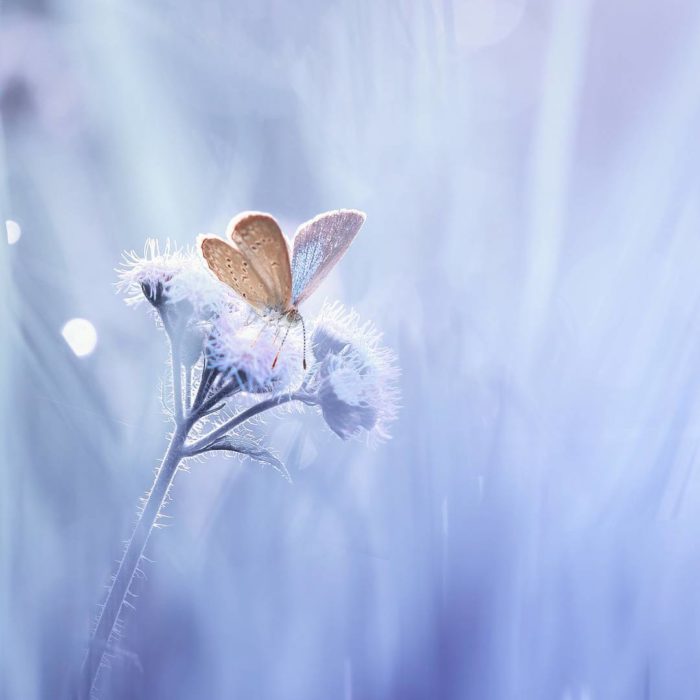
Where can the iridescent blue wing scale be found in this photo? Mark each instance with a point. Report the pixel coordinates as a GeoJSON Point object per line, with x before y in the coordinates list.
{"type": "Point", "coordinates": [318, 245]}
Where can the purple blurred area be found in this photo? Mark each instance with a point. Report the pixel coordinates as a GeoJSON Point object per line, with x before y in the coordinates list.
{"type": "Point", "coordinates": [531, 172]}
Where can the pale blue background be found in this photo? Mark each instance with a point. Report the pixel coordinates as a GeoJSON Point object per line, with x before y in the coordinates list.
{"type": "Point", "coordinates": [532, 251]}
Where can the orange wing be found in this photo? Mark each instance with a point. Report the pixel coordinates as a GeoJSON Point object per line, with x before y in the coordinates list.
{"type": "Point", "coordinates": [232, 268]}
{"type": "Point", "coordinates": [263, 246]}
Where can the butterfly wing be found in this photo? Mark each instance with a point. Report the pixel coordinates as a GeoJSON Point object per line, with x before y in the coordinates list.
{"type": "Point", "coordinates": [263, 246]}
{"type": "Point", "coordinates": [318, 245]}
{"type": "Point", "coordinates": [234, 270]}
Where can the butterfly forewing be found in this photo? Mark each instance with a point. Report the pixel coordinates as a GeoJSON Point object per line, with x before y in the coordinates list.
{"type": "Point", "coordinates": [233, 269]}
{"type": "Point", "coordinates": [318, 245]}
{"type": "Point", "coordinates": [263, 246]}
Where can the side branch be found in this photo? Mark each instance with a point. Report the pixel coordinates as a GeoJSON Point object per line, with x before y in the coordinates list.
{"type": "Point", "coordinates": [249, 413]}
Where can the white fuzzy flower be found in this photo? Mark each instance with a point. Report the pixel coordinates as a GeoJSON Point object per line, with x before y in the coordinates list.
{"type": "Point", "coordinates": [246, 351]}
{"type": "Point", "coordinates": [355, 376]}
{"type": "Point", "coordinates": [149, 276]}
{"type": "Point", "coordinates": [172, 276]}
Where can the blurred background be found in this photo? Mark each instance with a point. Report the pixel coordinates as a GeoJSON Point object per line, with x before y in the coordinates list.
{"type": "Point", "coordinates": [531, 176]}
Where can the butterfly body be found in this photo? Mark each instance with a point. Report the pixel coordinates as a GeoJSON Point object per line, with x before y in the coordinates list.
{"type": "Point", "coordinates": [256, 262]}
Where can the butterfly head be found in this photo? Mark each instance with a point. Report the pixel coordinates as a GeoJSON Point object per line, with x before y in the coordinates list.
{"type": "Point", "coordinates": [293, 316]}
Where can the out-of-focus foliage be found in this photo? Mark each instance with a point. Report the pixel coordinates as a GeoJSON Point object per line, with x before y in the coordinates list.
{"type": "Point", "coordinates": [530, 172]}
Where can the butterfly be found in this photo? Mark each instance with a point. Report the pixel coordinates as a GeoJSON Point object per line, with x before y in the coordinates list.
{"type": "Point", "coordinates": [256, 262]}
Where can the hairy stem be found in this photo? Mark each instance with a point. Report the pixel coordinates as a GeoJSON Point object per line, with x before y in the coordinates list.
{"type": "Point", "coordinates": [206, 377]}
{"type": "Point", "coordinates": [173, 329]}
{"type": "Point", "coordinates": [188, 388]}
{"type": "Point", "coordinates": [119, 592]}
{"type": "Point", "coordinates": [108, 626]}
{"type": "Point", "coordinates": [234, 422]}
{"type": "Point", "coordinates": [177, 379]}
{"type": "Point", "coordinates": [203, 408]}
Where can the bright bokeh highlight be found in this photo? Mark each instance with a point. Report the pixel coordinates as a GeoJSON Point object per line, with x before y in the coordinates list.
{"type": "Point", "coordinates": [80, 335]}
{"type": "Point", "coordinates": [14, 231]}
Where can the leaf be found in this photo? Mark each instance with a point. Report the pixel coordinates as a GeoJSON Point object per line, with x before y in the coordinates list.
{"type": "Point", "coordinates": [249, 447]}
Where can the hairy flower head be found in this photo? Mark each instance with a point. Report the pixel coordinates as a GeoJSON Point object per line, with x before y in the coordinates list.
{"type": "Point", "coordinates": [355, 376]}
{"type": "Point", "coordinates": [172, 276]}
{"type": "Point", "coordinates": [246, 351]}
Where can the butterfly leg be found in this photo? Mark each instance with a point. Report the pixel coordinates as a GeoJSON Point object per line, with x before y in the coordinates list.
{"type": "Point", "coordinates": [259, 335]}
{"type": "Point", "coordinates": [277, 356]}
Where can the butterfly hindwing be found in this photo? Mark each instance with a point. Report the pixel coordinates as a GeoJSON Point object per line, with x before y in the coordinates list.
{"type": "Point", "coordinates": [234, 270]}
{"type": "Point", "coordinates": [318, 245]}
{"type": "Point", "coordinates": [261, 242]}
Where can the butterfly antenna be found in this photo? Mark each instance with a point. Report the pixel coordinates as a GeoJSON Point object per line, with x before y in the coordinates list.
{"type": "Point", "coordinates": [303, 331]}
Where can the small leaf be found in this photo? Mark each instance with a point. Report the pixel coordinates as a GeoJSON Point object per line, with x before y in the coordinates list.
{"type": "Point", "coordinates": [249, 447]}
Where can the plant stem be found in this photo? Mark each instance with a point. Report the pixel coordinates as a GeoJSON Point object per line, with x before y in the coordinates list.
{"type": "Point", "coordinates": [117, 598]}
{"type": "Point", "coordinates": [201, 409]}
{"type": "Point", "coordinates": [206, 378]}
{"type": "Point", "coordinates": [177, 379]}
{"type": "Point", "coordinates": [173, 329]}
{"type": "Point", "coordinates": [188, 388]}
{"type": "Point", "coordinates": [242, 417]}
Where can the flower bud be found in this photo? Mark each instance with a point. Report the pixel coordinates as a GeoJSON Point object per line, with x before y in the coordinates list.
{"type": "Point", "coordinates": [324, 342]}
{"type": "Point", "coordinates": [345, 419]}
{"type": "Point", "coordinates": [355, 376]}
